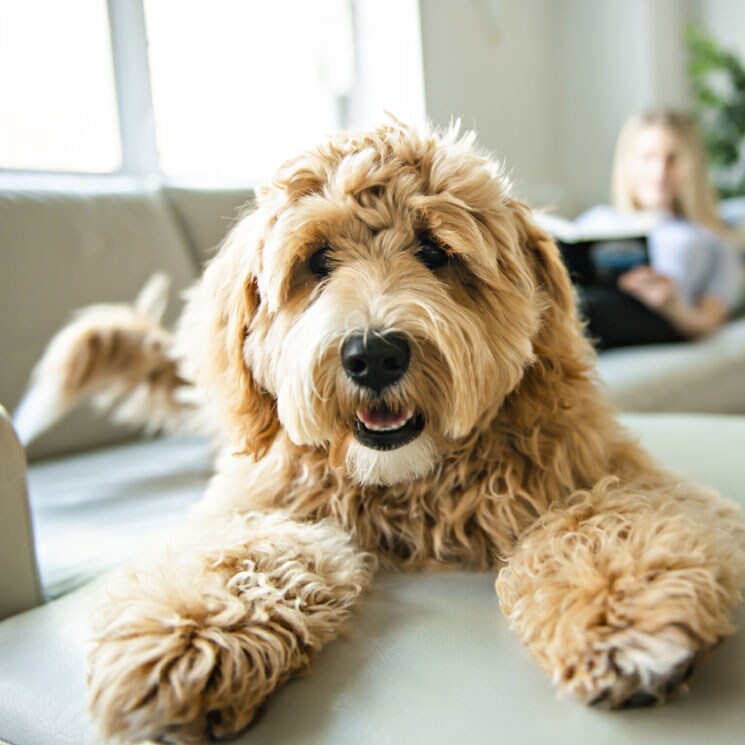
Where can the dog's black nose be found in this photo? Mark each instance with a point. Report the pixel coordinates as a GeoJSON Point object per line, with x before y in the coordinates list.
{"type": "Point", "coordinates": [375, 360]}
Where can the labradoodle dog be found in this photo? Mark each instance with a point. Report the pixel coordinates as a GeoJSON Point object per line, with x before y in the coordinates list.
{"type": "Point", "coordinates": [390, 347]}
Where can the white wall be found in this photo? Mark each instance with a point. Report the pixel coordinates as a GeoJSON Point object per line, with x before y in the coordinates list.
{"type": "Point", "coordinates": [615, 57]}
{"type": "Point", "coordinates": [548, 83]}
{"type": "Point", "coordinates": [602, 63]}
{"type": "Point", "coordinates": [490, 63]}
{"type": "Point", "coordinates": [725, 20]}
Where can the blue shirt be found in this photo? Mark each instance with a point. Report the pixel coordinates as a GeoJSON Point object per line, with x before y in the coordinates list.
{"type": "Point", "coordinates": [698, 260]}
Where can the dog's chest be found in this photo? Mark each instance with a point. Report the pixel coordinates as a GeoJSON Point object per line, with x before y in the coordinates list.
{"type": "Point", "coordinates": [422, 524]}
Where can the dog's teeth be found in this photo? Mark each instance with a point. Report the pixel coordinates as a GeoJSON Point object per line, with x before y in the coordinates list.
{"type": "Point", "coordinates": [384, 428]}
{"type": "Point", "coordinates": [401, 421]}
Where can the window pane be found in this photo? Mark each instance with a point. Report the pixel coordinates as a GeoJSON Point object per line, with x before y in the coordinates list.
{"type": "Point", "coordinates": [389, 63]}
{"type": "Point", "coordinates": [239, 85]}
{"type": "Point", "coordinates": [57, 96]}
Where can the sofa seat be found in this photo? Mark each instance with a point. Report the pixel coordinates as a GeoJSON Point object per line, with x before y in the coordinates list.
{"type": "Point", "coordinates": [93, 510]}
{"type": "Point", "coordinates": [703, 376]}
{"type": "Point", "coordinates": [429, 659]}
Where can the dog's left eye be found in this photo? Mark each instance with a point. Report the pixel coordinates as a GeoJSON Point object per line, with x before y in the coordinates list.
{"type": "Point", "coordinates": [430, 252]}
{"type": "Point", "coordinates": [321, 264]}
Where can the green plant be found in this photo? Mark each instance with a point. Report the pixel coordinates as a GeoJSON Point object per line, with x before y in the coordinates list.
{"type": "Point", "coordinates": [717, 79]}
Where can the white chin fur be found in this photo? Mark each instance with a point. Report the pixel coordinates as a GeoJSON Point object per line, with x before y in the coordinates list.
{"type": "Point", "coordinates": [387, 467]}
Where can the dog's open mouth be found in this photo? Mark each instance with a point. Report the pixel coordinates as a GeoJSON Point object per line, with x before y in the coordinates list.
{"type": "Point", "coordinates": [383, 428]}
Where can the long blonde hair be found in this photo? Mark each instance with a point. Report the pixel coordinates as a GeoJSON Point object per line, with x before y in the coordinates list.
{"type": "Point", "coordinates": [696, 199]}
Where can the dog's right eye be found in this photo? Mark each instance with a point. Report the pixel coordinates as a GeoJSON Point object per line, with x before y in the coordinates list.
{"type": "Point", "coordinates": [321, 264]}
{"type": "Point", "coordinates": [430, 252]}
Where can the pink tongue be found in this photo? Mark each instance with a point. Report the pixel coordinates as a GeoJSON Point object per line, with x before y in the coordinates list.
{"type": "Point", "coordinates": [382, 417]}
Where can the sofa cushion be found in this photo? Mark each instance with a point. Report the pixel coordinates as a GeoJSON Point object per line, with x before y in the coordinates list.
{"type": "Point", "coordinates": [206, 215]}
{"type": "Point", "coordinates": [65, 250]}
{"type": "Point", "coordinates": [429, 659]}
{"type": "Point", "coordinates": [94, 510]}
{"type": "Point", "coordinates": [703, 376]}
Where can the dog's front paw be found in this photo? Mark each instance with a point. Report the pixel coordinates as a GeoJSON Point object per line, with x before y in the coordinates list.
{"type": "Point", "coordinates": [185, 677]}
{"type": "Point", "coordinates": [621, 591]}
{"type": "Point", "coordinates": [191, 647]}
{"type": "Point", "coordinates": [631, 670]}
{"type": "Point", "coordinates": [179, 685]}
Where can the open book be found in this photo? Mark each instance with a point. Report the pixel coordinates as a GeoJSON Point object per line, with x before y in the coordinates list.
{"type": "Point", "coordinates": [598, 255]}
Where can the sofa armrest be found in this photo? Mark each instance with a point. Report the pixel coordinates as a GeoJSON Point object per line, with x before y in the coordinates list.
{"type": "Point", "coordinates": [19, 578]}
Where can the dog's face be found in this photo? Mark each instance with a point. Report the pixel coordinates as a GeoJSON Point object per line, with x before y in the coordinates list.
{"type": "Point", "coordinates": [382, 303]}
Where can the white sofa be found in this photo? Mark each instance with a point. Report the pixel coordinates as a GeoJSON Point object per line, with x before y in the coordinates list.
{"type": "Point", "coordinates": [706, 376]}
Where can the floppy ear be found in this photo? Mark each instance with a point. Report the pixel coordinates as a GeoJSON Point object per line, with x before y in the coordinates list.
{"type": "Point", "coordinates": [560, 337]}
{"type": "Point", "coordinates": [545, 259]}
{"type": "Point", "coordinates": [211, 338]}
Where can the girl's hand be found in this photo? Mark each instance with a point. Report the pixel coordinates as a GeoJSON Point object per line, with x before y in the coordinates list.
{"type": "Point", "coordinates": [648, 286]}
{"type": "Point", "coordinates": [658, 292]}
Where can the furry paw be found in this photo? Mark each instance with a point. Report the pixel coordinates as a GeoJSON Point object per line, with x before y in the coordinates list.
{"type": "Point", "coordinates": [184, 682]}
{"type": "Point", "coordinates": [620, 591]}
{"type": "Point", "coordinates": [180, 664]}
{"type": "Point", "coordinates": [191, 647]}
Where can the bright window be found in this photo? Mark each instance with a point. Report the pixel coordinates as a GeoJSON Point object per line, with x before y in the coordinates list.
{"type": "Point", "coordinates": [222, 89]}
{"type": "Point", "coordinates": [57, 96]}
{"type": "Point", "coordinates": [238, 85]}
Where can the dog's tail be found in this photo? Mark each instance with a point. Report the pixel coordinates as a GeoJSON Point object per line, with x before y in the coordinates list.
{"type": "Point", "coordinates": [119, 358]}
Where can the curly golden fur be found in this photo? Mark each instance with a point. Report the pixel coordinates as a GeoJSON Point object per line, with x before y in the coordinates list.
{"type": "Point", "coordinates": [616, 576]}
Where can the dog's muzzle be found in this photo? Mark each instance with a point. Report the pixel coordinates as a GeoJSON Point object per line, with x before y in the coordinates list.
{"type": "Point", "coordinates": [375, 361]}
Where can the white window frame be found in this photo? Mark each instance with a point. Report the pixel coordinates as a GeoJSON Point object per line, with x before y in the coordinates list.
{"type": "Point", "coordinates": [134, 102]}
{"type": "Point", "coordinates": [134, 96]}
{"type": "Point", "coordinates": [140, 164]}
{"type": "Point", "coordinates": [140, 160]}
